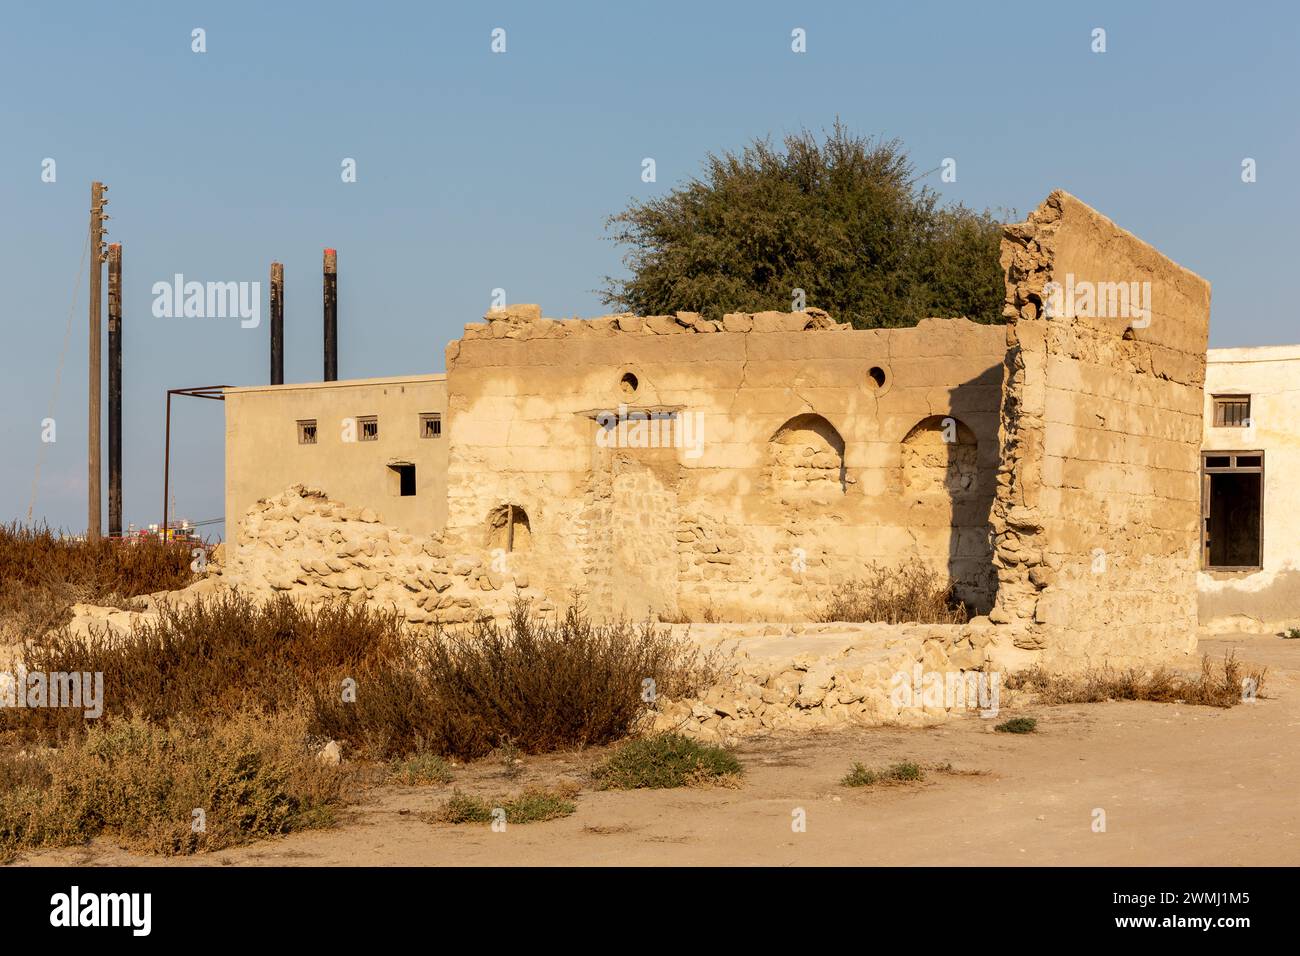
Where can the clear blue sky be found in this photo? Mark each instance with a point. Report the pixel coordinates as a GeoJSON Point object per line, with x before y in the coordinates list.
{"type": "Point", "coordinates": [479, 170]}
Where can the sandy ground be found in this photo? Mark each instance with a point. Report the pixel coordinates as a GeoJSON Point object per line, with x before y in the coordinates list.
{"type": "Point", "coordinates": [1179, 786]}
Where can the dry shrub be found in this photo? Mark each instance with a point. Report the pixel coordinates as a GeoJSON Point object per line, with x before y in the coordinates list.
{"type": "Point", "coordinates": [42, 575]}
{"type": "Point", "coordinates": [909, 592]}
{"type": "Point", "coordinates": [1018, 725]}
{"type": "Point", "coordinates": [1217, 685]}
{"type": "Point", "coordinates": [534, 805]}
{"type": "Point", "coordinates": [861, 775]}
{"type": "Point", "coordinates": [214, 704]}
{"type": "Point", "coordinates": [253, 776]}
{"type": "Point", "coordinates": [667, 760]}
{"type": "Point", "coordinates": [537, 684]}
{"type": "Point", "coordinates": [211, 658]}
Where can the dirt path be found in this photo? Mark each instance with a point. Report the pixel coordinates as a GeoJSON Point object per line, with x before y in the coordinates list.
{"type": "Point", "coordinates": [1179, 786]}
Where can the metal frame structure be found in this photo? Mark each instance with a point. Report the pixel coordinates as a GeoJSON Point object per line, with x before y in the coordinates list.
{"type": "Point", "coordinates": [214, 392]}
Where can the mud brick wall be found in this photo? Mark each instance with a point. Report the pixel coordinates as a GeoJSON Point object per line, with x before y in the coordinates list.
{"type": "Point", "coordinates": [1096, 518]}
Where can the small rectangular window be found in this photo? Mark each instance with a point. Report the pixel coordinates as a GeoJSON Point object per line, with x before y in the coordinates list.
{"type": "Point", "coordinates": [307, 432]}
{"type": "Point", "coordinates": [367, 428]}
{"type": "Point", "coordinates": [430, 425]}
{"type": "Point", "coordinates": [1231, 411]}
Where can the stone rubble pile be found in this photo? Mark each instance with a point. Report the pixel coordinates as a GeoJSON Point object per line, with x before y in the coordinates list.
{"type": "Point", "coordinates": [527, 322]}
{"type": "Point", "coordinates": [825, 676]}
{"type": "Point", "coordinates": [316, 549]}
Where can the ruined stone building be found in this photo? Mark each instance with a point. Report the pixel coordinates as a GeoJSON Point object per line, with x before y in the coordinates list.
{"type": "Point", "coordinates": [737, 469]}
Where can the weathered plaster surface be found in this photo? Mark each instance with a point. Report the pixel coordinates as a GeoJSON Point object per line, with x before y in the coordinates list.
{"type": "Point", "coordinates": [804, 469]}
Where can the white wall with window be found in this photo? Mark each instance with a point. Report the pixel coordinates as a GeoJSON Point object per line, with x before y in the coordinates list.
{"type": "Point", "coordinates": [1250, 490]}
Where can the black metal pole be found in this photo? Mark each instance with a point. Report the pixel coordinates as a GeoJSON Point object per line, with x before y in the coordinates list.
{"type": "Point", "coordinates": [331, 317]}
{"type": "Point", "coordinates": [167, 463]}
{"type": "Point", "coordinates": [277, 323]}
{"type": "Point", "coordinates": [115, 389]}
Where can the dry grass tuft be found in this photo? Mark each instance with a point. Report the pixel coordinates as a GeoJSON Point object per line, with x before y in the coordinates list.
{"type": "Point", "coordinates": [534, 805]}
{"type": "Point", "coordinates": [863, 776]}
{"type": "Point", "coordinates": [906, 593]}
{"type": "Point", "coordinates": [1217, 685]}
{"type": "Point", "coordinates": [907, 771]}
{"type": "Point", "coordinates": [420, 769]}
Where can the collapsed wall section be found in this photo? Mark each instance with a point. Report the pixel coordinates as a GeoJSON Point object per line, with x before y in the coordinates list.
{"type": "Point", "coordinates": [1096, 516]}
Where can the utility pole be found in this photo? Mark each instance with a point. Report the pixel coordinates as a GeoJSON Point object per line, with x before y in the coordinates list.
{"type": "Point", "coordinates": [115, 389]}
{"type": "Point", "coordinates": [94, 519]}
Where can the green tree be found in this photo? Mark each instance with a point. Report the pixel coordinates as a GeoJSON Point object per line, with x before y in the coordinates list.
{"type": "Point", "coordinates": [841, 218]}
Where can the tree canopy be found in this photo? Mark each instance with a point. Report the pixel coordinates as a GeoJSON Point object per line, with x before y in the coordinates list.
{"type": "Point", "coordinates": [841, 218]}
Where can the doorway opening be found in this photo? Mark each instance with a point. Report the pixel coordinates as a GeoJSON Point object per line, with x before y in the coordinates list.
{"type": "Point", "coordinates": [402, 479]}
{"type": "Point", "coordinates": [1232, 509]}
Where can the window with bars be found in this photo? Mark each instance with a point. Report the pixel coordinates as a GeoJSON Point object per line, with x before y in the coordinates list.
{"type": "Point", "coordinates": [307, 432]}
{"type": "Point", "coordinates": [367, 428]}
{"type": "Point", "coordinates": [430, 425]}
{"type": "Point", "coordinates": [1231, 411]}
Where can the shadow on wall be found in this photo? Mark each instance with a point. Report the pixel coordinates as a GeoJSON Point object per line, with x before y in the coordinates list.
{"type": "Point", "coordinates": [948, 467]}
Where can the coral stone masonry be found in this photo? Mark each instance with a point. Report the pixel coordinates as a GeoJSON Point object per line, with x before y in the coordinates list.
{"type": "Point", "coordinates": [739, 468]}
{"type": "Point", "coordinates": [1096, 515]}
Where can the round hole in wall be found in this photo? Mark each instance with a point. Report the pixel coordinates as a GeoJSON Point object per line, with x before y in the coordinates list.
{"type": "Point", "coordinates": [877, 376]}
{"type": "Point", "coordinates": [628, 383]}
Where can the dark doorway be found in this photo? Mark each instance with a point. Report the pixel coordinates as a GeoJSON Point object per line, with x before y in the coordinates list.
{"type": "Point", "coordinates": [1232, 508]}
{"type": "Point", "coordinates": [405, 479]}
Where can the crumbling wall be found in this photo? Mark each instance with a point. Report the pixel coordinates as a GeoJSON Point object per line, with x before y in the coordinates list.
{"type": "Point", "coordinates": [1096, 518]}
{"type": "Point", "coordinates": [313, 548]}
{"type": "Point", "coordinates": [773, 467]}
